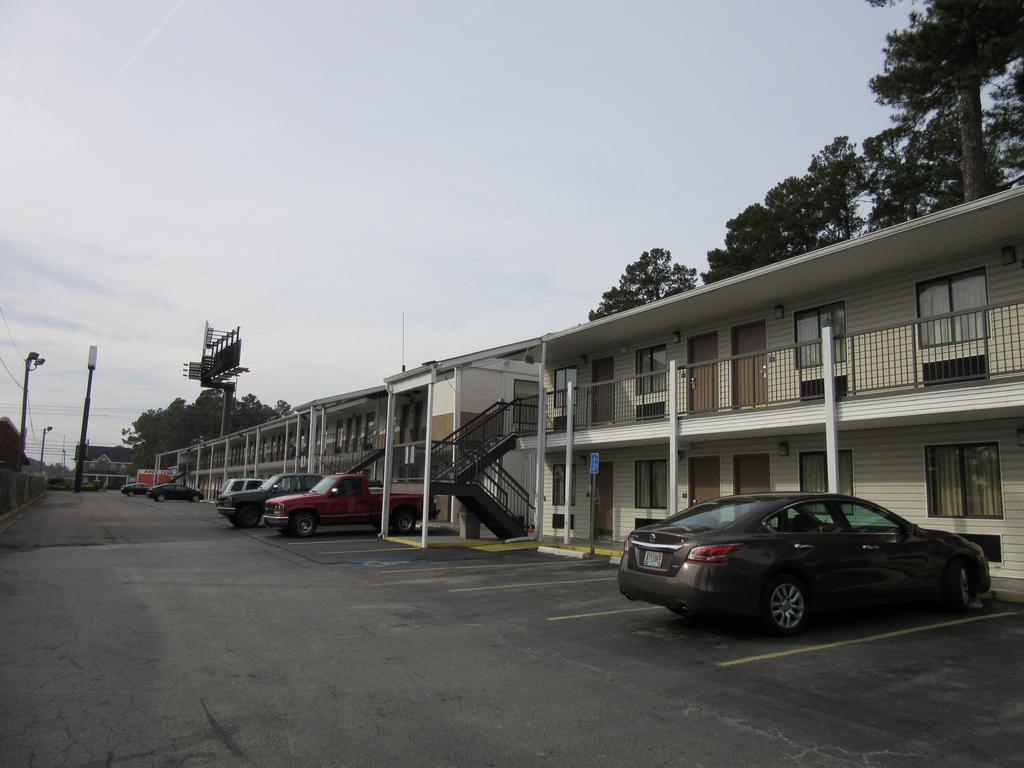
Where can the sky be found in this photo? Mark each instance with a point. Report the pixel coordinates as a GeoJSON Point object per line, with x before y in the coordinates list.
{"type": "Point", "coordinates": [309, 171]}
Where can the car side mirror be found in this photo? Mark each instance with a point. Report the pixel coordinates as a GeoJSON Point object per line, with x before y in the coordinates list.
{"type": "Point", "coordinates": [275, 487]}
{"type": "Point", "coordinates": [335, 491]}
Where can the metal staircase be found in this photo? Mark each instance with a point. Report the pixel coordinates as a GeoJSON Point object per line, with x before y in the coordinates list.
{"type": "Point", "coordinates": [466, 465]}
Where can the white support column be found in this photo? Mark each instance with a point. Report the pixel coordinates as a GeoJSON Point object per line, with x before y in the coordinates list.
{"type": "Point", "coordinates": [298, 441]}
{"type": "Point", "coordinates": [224, 473]}
{"type": "Point", "coordinates": [831, 438]}
{"type": "Point", "coordinates": [199, 460]}
{"type": "Point", "coordinates": [209, 474]}
{"type": "Point", "coordinates": [570, 393]}
{"type": "Point", "coordinates": [323, 437]}
{"type": "Point", "coordinates": [245, 456]}
{"type": "Point", "coordinates": [427, 445]}
{"type": "Point", "coordinates": [454, 504]}
{"type": "Point", "coordinates": [673, 438]}
{"type": "Point", "coordinates": [256, 457]}
{"type": "Point", "coordinates": [156, 473]}
{"type": "Point", "coordinates": [542, 438]}
{"type": "Point", "coordinates": [284, 450]}
{"type": "Point", "coordinates": [389, 460]}
{"type": "Point", "coordinates": [309, 446]}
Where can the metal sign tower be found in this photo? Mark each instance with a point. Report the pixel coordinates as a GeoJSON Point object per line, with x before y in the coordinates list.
{"type": "Point", "coordinates": [218, 365]}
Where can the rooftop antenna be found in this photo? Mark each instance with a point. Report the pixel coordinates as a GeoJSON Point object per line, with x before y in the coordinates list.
{"type": "Point", "coordinates": [403, 342]}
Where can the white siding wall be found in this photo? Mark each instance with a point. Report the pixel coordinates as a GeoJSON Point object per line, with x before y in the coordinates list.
{"type": "Point", "coordinates": [886, 300]}
{"type": "Point", "coordinates": [888, 468]}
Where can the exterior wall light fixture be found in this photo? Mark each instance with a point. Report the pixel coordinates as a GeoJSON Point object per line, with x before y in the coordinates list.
{"type": "Point", "coordinates": [783, 448]}
{"type": "Point", "coordinates": [1009, 254]}
{"type": "Point", "coordinates": [780, 311]}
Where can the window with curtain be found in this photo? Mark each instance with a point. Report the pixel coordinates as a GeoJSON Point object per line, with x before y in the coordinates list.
{"type": "Point", "coordinates": [371, 431]}
{"type": "Point", "coordinates": [650, 488]}
{"type": "Point", "coordinates": [562, 378]}
{"type": "Point", "coordinates": [809, 323]}
{"type": "Point", "coordinates": [964, 481]}
{"type": "Point", "coordinates": [954, 293]}
{"type": "Point", "coordinates": [558, 484]}
{"type": "Point", "coordinates": [814, 472]}
{"type": "Point", "coordinates": [651, 360]}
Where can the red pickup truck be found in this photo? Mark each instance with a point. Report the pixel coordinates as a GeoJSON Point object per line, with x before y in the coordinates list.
{"type": "Point", "coordinates": [343, 500]}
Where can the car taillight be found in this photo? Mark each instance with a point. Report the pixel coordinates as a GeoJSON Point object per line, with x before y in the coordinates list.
{"type": "Point", "coordinates": [714, 554]}
{"type": "Point", "coordinates": [625, 546]}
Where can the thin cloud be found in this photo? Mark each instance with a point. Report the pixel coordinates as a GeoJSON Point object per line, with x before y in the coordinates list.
{"type": "Point", "coordinates": [148, 40]}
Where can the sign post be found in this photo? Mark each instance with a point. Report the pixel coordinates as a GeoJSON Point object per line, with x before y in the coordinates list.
{"type": "Point", "coordinates": [595, 463]}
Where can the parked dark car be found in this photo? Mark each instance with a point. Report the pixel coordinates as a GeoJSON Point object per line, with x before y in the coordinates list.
{"type": "Point", "coordinates": [778, 557]}
{"type": "Point", "coordinates": [174, 491]}
{"type": "Point", "coordinates": [135, 489]}
{"type": "Point", "coordinates": [244, 509]}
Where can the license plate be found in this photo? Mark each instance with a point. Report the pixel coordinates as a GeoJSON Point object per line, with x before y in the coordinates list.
{"type": "Point", "coordinates": [653, 559]}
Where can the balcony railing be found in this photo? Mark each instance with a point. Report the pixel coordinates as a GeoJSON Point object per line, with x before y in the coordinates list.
{"type": "Point", "coordinates": [976, 344]}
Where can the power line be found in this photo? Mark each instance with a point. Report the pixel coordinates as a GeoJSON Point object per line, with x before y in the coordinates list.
{"type": "Point", "coordinates": [16, 382]}
{"type": "Point", "coordinates": [2, 315]}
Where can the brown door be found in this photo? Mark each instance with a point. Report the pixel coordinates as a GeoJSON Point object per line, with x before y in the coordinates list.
{"type": "Point", "coordinates": [603, 501]}
{"type": "Point", "coordinates": [702, 379]}
{"type": "Point", "coordinates": [705, 479]}
{"type": "Point", "coordinates": [752, 474]}
{"type": "Point", "coordinates": [602, 394]}
{"type": "Point", "coordinates": [749, 385]}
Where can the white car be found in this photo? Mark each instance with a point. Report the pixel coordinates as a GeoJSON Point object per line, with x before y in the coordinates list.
{"type": "Point", "coordinates": [240, 484]}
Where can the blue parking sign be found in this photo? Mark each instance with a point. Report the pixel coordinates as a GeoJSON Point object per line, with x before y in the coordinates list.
{"type": "Point", "coordinates": [595, 461]}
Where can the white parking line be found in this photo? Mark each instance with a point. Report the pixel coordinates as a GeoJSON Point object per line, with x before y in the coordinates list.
{"type": "Point", "coordinates": [534, 584]}
{"type": "Point", "coordinates": [328, 541]}
{"type": "Point", "coordinates": [604, 613]}
{"type": "Point", "coordinates": [357, 551]}
{"type": "Point", "coordinates": [869, 639]}
{"type": "Point", "coordinates": [483, 567]}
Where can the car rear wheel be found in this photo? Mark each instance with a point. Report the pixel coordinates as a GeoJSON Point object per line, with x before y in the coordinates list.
{"type": "Point", "coordinates": [302, 524]}
{"type": "Point", "coordinates": [404, 522]}
{"type": "Point", "coordinates": [249, 516]}
{"type": "Point", "coordinates": [784, 605]}
{"type": "Point", "coordinates": [159, 497]}
{"type": "Point", "coordinates": [194, 497]}
{"type": "Point", "coordinates": [956, 586]}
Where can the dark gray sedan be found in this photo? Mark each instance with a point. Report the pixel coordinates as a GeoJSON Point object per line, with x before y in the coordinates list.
{"type": "Point", "coordinates": [779, 556]}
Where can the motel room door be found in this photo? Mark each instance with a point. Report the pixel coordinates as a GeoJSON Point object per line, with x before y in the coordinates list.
{"type": "Point", "coordinates": [603, 501]}
{"type": "Point", "coordinates": [705, 479]}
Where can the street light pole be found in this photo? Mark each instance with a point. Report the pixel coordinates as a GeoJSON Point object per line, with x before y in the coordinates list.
{"type": "Point", "coordinates": [32, 361]}
{"type": "Point", "coordinates": [80, 465]}
{"type": "Point", "coordinates": [43, 449]}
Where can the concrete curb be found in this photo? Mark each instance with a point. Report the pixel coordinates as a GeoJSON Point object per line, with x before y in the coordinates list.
{"type": "Point", "coordinates": [561, 552]}
{"type": "Point", "coordinates": [1003, 596]}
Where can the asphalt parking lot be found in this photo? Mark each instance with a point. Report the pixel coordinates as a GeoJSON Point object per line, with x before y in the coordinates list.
{"type": "Point", "coordinates": [488, 657]}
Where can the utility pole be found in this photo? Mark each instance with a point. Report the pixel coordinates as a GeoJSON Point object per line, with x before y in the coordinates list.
{"type": "Point", "coordinates": [80, 464]}
{"type": "Point", "coordinates": [32, 361]}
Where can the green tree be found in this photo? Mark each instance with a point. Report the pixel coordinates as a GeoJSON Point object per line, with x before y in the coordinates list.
{"type": "Point", "coordinates": [798, 214]}
{"type": "Point", "coordinates": [1005, 123]}
{"type": "Point", "coordinates": [651, 277]}
{"type": "Point", "coordinates": [181, 424]}
{"type": "Point", "coordinates": [942, 63]}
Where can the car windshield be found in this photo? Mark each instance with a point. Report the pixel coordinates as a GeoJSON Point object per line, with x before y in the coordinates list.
{"type": "Point", "coordinates": [324, 485]}
{"type": "Point", "coordinates": [712, 515]}
{"type": "Point", "coordinates": [270, 482]}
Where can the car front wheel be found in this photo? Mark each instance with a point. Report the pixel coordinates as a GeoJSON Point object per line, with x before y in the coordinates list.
{"type": "Point", "coordinates": [784, 605]}
{"type": "Point", "coordinates": [302, 524]}
{"type": "Point", "coordinates": [404, 522]}
{"type": "Point", "coordinates": [249, 516]}
{"type": "Point", "coordinates": [159, 497]}
{"type": "Point", "coordinates": [956, 586]}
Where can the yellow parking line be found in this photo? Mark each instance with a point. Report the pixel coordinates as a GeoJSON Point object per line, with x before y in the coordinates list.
{"type": "Point", "coordinates": [603, 613]}
{"type": "Point", "coordinates": [872, 638]}
{"type": "Point", "coordinates": [534, 584]}
{"type": "Point", "coordinates": [483, 566]}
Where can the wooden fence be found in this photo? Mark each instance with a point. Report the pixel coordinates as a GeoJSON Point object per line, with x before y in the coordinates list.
{"type": "Point", "coordinates": [17, 488]}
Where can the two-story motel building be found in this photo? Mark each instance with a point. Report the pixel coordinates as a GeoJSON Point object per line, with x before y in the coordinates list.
{"type": "Point", "coordinates": [723, 389]}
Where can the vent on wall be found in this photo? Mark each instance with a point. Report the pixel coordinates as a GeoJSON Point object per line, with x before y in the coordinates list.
{"type": "Point", "coordinates": [957, 369]}
{"type": "Point", "coordinates": [815, 388]}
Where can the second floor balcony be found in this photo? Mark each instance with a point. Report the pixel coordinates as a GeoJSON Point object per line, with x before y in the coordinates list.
{"type": "Point", "coordinates": [979, 344]}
